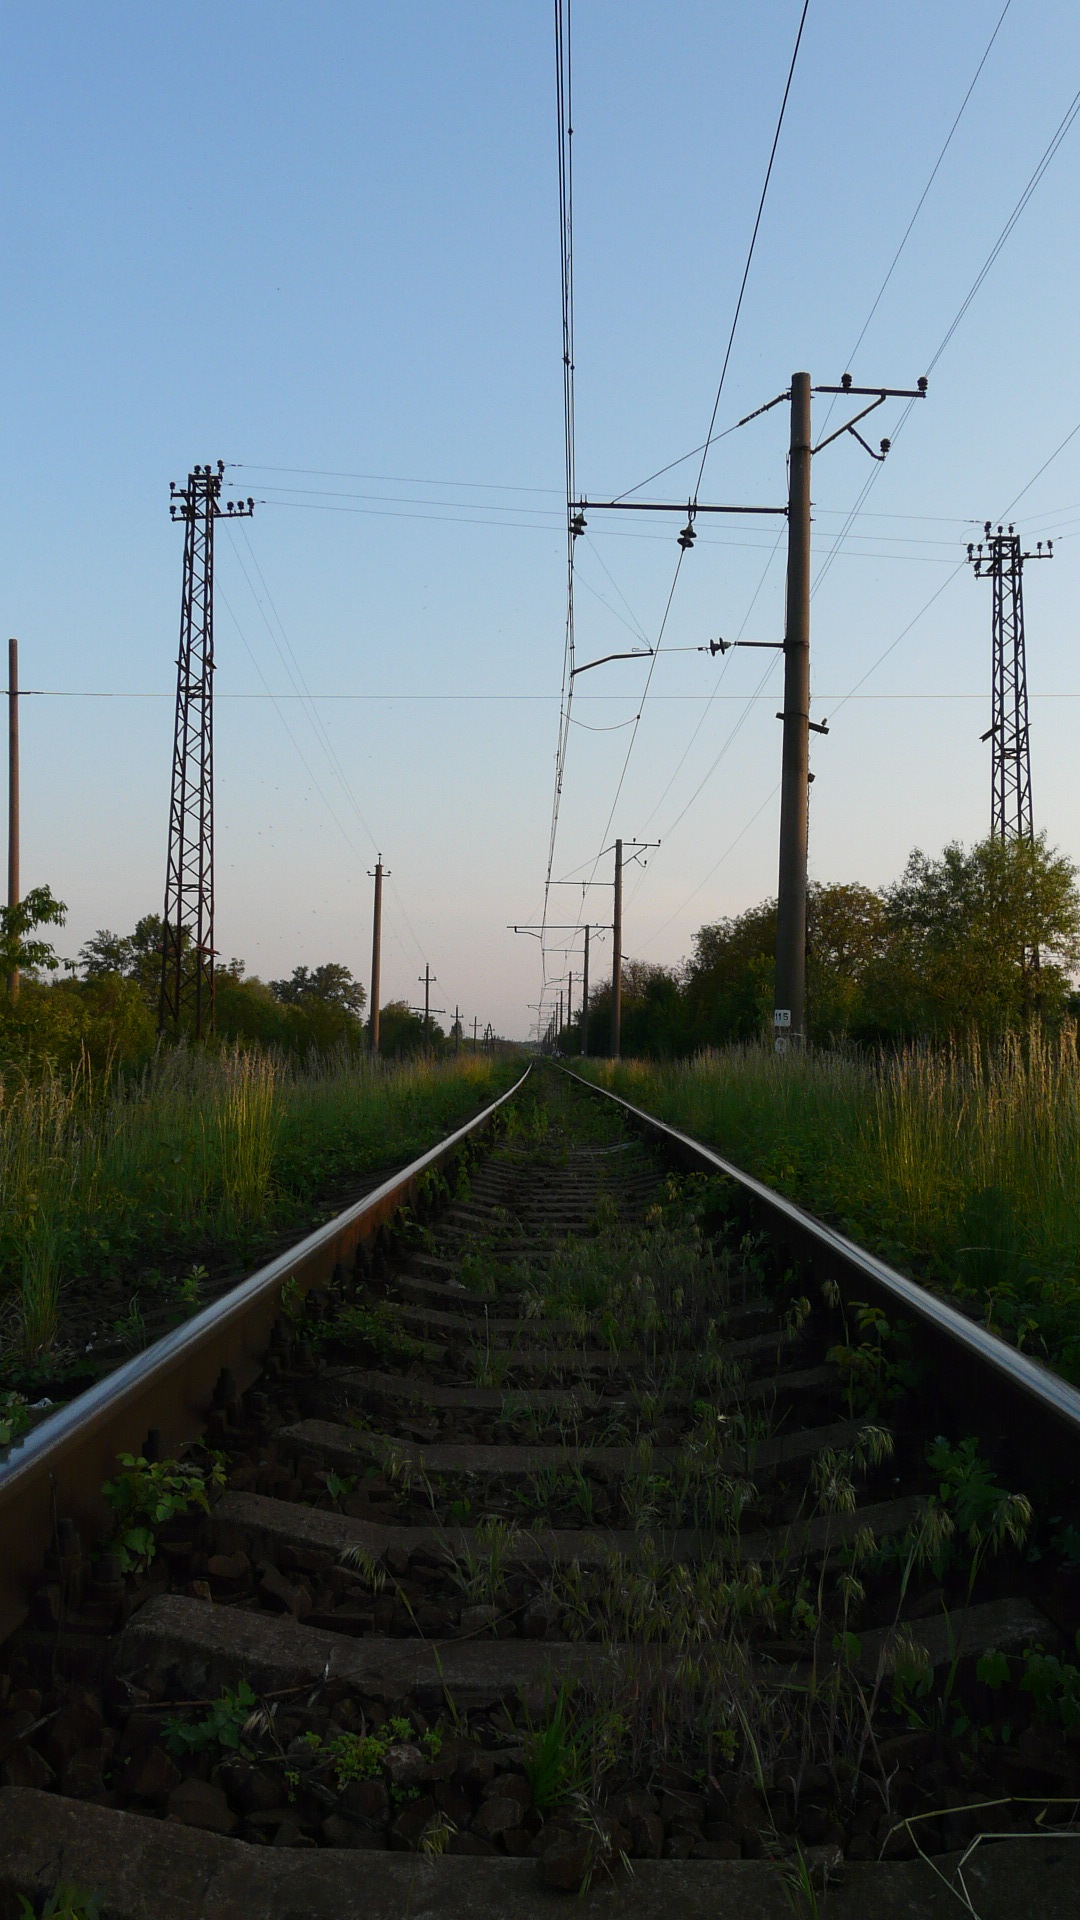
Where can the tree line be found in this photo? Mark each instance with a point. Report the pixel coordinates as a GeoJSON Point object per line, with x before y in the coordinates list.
{"type": "Point", "coordinates": [104, 1005]}
{"type": "Point", "coordinates": [977, 940]}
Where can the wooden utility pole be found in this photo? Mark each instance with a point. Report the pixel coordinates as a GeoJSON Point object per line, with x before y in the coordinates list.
{"type": "Point", "coordinates": [475, 1025]}
{"type": "Point", "coordinates": [616, 958]}
{"type": "Point", "coordinates": [789, 1015]}
{"type": "Point", "coordinates": [790, 1002]}
{"type": "Point", "coordinates": [376, 955]}
{"type": "Point", "coordinates": [13, 795]}
{"type": "Point", "coordinates": [585, 998]}
{"type": "Point", "coordinates": [790, 998]}
{"type": "Point", "coordinates": [427, 1005]}
{"type": "Point", "coordinates": [457, 1029]}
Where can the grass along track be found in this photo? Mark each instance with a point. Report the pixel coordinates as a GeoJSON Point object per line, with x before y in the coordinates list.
{"type": "Point", "coordinates": [960, 1164]}
{"type": "Point", "coordinates": [128, 1206]}
{"type": "Point", "coordinates": [570, 1541]}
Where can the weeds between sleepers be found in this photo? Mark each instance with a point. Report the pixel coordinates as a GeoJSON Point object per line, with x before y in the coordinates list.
{"type": "Point", "coordinates": [727, 1709]}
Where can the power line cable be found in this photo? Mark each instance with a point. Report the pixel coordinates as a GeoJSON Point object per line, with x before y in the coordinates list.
{"type": "Point", "coordinates": [565, 126]}
{"type": "Point", "coordinates": [393, 479]}
{"type": "Point", "coordinates": [753, 244]}
{"type": "Point", "coordinates": [729, 849]}
{"type": "Point", "coordinates": [683, 549]}
{"type": "Point", "coordinates": [302, 693]}
{"type": "Point", "coordinates": [1038, 476]}
{"type": "Point", "coordinates": [934, 171]}
{"type": "Point", "coordinates": [342, 829]}
{"type": "Point", "coordinates": [1036, 176]}
{"type": "Point", "coordinates": [295, 673]}
{"type": "Point", "coordinates": [716, 693]}
{"type": "Point", "coordinates": [1063, 128]}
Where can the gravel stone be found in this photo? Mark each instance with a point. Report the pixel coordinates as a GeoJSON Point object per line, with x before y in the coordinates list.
{"type": "Point", "coordinates": [196, 1803]}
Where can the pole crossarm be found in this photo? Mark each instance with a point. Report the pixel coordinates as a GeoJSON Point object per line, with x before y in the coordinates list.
{"type": "Point", "coordinates": [661, 506]}
{"type": "Point", "coordinates": [879, 393]}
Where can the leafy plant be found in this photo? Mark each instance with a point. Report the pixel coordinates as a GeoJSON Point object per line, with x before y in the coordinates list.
{"type": "Point", "coordinates": [189, 1288]}
{"type": "Point", "coordinates": [361, 1756]}
{"type": "Point", "coordinates": [1054, 1686]}
{"type": "Point", "coordinates": [357, 1756]}
{"type": "Point", "coordinates": [986, 1515]}
{"type": "Point", "coordinates": [877, 1369]}
{"type": "Point", "coordinates": [14, 1417]}
{"type": "Point", "coordinates": [338, 1485]}
{"type": "Point", "coordinates": [146, 1494]}
{"type": "Point", "coordinates": [222, 1727]}
{"type": "Point", "coordinates": [64, 1903]}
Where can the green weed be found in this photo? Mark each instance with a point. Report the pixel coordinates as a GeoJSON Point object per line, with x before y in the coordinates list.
{"type": "Point", "coordinates": [146, 1494]}
{"type": "Point", "coordinates": [14, 1417]}
{"type": "Point", "coordinates": [64, 1903]}
{"type": "Point", "coordinates": [221, 1729]}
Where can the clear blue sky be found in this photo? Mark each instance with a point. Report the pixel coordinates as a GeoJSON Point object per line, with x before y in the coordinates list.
{"type": "Point", "coordinates": [321, 241]}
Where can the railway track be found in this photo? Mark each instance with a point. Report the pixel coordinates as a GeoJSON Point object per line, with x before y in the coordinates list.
{"type": "Point", "coordinates": [596, 1527]}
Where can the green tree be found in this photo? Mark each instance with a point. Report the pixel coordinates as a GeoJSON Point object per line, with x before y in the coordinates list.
{"type": "Point", "coordinates": [333, 984]}
{"type": "Point", "coordinates": [961, 935]}
{"type": "Point", "coordinates": [38, 908]}
{"type": "Point", "coordinates": [134, 956]}
{"type": "Point", "coordinates": [401, 1031]}
{"type": "Point", "coordinates": [652, 1014]}
{"type": "Point", "coordinates": [729, 979]}
{"type": "Point", "coordinates": [847, 936]}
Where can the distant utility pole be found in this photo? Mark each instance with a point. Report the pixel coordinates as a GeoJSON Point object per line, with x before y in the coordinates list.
{"type": "Point", "coordinates": [428, 979]}
{"type": "Point", "coordinates": [13, 796]}
{"type": "Point", "coordinates": [636, 846]}
{"type": "Point", "coordinates": [457, 1029]}
{"type": "Point", "coordinates": [376, 953]}
{"type": "Point", "coordinates": [616, 958]}
{"type": "Point", "coordinates": [1002, 562]}
{"type": "Point", "coordinates": [540, 928]}
{"type": "Point", "coordinates": [187, 950]}
{"type": "Point", "coordinates": [585, 998]}
{"type": "Point", "coordinates": [475, 1025]}
{"type": "Point", "coordinates": [569, 999]}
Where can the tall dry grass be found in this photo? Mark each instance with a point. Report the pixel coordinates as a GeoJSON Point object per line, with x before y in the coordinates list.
{"type": "Point", "coordinates": [199, 1155]}
{"type": "Point", "coordinates": [960, 1163]}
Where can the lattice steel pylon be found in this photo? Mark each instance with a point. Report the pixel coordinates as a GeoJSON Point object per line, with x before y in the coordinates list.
{"type": "Point", "coordinates": [1001, 559]}
{"type": "Point", "coordinates": [187, 950]}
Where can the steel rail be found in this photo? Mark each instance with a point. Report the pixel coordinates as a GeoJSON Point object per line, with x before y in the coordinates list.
{"type": "Point", "coordinates": [58, 1469]}
{"type": "Point", "coordinates": [1005, 1381]}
